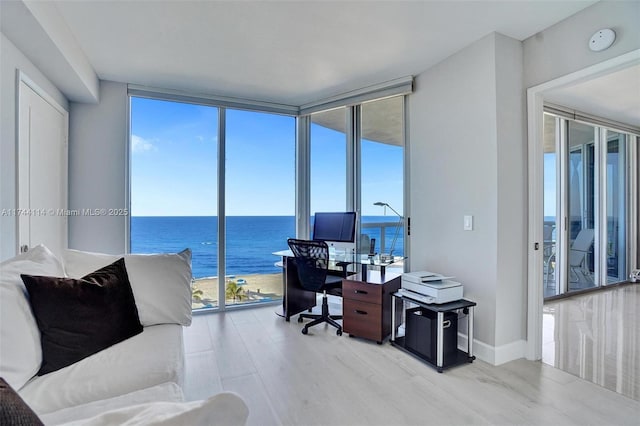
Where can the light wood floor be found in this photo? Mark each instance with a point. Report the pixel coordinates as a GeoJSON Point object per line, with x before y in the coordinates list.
{"type": "Point", "coordinates": [288, 378]}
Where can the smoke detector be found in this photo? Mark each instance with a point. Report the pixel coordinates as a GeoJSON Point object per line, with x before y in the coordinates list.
{"type": "Point", "coordinates": [602, 39]}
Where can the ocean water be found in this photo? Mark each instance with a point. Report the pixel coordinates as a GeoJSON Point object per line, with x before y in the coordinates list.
{"type": "Point", "coordinates": [250, 240]}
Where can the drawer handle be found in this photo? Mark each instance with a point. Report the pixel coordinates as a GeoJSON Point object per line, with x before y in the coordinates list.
{"type": "Point", "coordinates": [361, 292]}
{"type": "Point", "coordinates": [446, 324]}
{"type": "Point", "coordinates": [359, 312]}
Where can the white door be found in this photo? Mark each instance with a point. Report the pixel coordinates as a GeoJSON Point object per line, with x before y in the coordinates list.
{"type": "Point", "coordinates": [42, 170]}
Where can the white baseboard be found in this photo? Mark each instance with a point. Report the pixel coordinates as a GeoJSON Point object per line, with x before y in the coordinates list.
{"type": "Point", "coordinates": [491, 354]}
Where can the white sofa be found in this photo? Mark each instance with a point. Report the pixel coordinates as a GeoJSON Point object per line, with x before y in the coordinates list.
{"type": "Point", "coordinates": [139, 378]}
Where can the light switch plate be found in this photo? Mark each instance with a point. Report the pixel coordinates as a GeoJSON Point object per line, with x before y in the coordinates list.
{"type": "Point", "coordinates": [468, 223]}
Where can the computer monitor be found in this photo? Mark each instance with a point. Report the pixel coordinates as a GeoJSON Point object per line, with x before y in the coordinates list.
{"type": "Point", "coordinates": [335, 227]}
{"type": "Point", "coordinates": [338, 230]}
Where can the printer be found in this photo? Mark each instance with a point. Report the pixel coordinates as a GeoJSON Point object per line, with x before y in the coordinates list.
{"type": "Point", "coordinates": [430, 287]}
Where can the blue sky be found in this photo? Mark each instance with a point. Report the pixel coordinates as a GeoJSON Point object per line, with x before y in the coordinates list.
{"type": "Point", "coordinates": [174, 164]}
{"type": "Point", "coordinates": [550, 184]}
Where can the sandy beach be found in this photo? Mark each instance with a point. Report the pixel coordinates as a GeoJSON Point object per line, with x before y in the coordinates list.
{"type": "Point", "coordinates": [256, 287]}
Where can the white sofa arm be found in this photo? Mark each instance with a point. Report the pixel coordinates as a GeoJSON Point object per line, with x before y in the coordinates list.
{"type": "Point", "coordinates": [223, 409]}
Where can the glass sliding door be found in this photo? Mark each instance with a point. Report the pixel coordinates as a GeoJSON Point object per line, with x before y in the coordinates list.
{"type": "Point", "coordinates": [552, 126]}
{"type": "Point", "coordinates": [259, 203]}
{"type": "Point", "coordinates": [173, 175]}
{"type": "Point", "coordinates": [581, 196]}
{"type": "Point", "coordinates": [587, 197]}
{"type": "Point", "coordinates": [616, 207]}
{"type": "Point", "coordinates": [382, 175]}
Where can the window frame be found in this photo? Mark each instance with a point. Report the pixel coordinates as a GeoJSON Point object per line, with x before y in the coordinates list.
{"type": "Point", "coordinates": [351, 100]}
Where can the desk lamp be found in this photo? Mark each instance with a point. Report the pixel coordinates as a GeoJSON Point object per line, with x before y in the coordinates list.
{"type": "Point", "coordinates": [395, 237]}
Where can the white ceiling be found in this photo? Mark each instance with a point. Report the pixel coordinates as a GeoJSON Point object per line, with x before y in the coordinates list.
{"type": "Point", "coordinates": [292, 52]}
{"type": "Point", "coordinates": [615, 96]}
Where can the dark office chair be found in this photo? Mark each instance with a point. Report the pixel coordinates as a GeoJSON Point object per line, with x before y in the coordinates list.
{"type": "Point", "coordinates": [312, 262]}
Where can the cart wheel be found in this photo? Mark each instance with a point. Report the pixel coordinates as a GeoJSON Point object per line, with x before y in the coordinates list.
{"type": "Point", "coordinates": [379, 342]}
{"type": "Point", "coordinates": [440, 370]}
{"type": "Point", "coordinates": [339, 332]}
{"type": "Point", "coordinates": [300, 318]}
{"type": "Point", "coordinates": [351, 335]}
{"type": "Point", "coordinates": [305, 331]}
{"type": "Point", "coordinates": [287, 319]}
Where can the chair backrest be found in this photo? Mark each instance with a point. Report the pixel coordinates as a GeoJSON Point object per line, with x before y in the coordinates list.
{"type": "Point", "coordinates": [312, 262]}
{"type": "Point", "coordinates": [581, 246]}
{"type": "Point", "coordinates": [365, 242]}
{"type": "Point", "coordinates": [547, 234]}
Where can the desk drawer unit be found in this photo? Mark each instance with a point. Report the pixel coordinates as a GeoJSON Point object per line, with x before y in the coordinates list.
{"type": "Point", "coordinates": [358, 290]}
{"type": "Point", "coordinates": [362, 319]}
{"type": "Point", "coordinates": [366, 306]}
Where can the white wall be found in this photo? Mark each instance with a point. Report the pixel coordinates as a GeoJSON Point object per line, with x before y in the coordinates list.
{"type": "Point", "coordinates": [11, 60]}
{"type": "Point", "coordinates": [98, 166]}
{"type": "Point", "coordinates": [563, 48]}
{"type": "Point", "coordinates": [467, 158]}
{"type": "Point", "coordinates": [512, 194]}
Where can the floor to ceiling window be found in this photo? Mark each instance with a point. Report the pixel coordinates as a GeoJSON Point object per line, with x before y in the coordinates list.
{"type": "Point", "coordinates": [381, 174]}
{"type": "Point", "coordinates": [232, 184]}
{"type": "Point", "coordinates": [328, 161]}
{"type": "Point", "coordinates": [260, 203]}
{"type": "Point", "coordinates": [357, 164]}
{"type": "Point", "coordinates": [586, 205]}
{"type": "Point", "coordinates": [174, 175]}
{"type": "Point", "coordinates": [174, 197]}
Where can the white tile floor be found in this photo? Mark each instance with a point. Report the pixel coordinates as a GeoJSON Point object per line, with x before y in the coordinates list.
{"type": "Point", "coordinates": [596, 337]}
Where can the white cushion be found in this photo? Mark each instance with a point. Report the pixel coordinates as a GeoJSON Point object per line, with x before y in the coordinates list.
{"type": "Point", "coordinates": [161, 283]}
{"type": "Point", "coordinates": [225, 408]}
{"type": "Point", "coordinates": [166, 392]}
{"type": "Point", "coordinates": [150, 358]}
{"type": "Point", "coordinates": [20, 349]}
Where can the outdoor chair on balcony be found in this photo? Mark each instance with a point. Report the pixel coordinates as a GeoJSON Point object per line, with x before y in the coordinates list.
{"type": "Point", "coordinates": [578, 259]}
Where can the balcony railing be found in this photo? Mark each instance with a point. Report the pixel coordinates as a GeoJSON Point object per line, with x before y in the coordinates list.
{"type": "Point", "coordinates": [381, 243]}
{"type": "Point", "coordinates": [256, 288]}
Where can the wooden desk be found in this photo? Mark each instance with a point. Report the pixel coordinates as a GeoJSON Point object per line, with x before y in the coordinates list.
{"type": "Point", "coordinates": [295, 299]}
{"type": "Point", "coordinates": [366, 304]}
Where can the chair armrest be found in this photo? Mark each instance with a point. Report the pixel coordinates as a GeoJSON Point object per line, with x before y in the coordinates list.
{"type": "Point", "coordinates": [582, 251]}
{"type": "Point", "coordinates": [342, 272]}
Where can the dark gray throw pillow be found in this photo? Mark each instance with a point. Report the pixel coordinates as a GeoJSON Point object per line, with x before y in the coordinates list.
{"type": "Point", "coordinates": [79, 317]}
